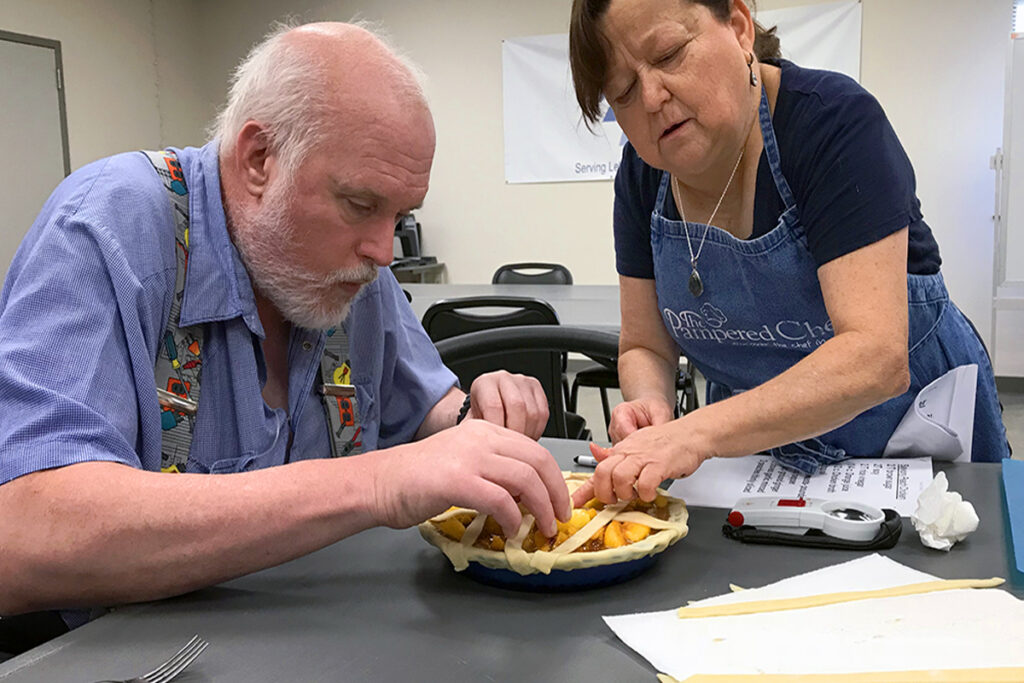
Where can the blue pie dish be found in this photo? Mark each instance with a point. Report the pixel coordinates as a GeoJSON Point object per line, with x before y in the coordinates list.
{"type": "Point", "coordinates": [560, 580]}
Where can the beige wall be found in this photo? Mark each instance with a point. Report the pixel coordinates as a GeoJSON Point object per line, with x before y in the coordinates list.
{"type": "Point", "coordinates": [945, 97]}
{"type": "Point", "coordinates": [110, 70]}
{"type": "Point", "coordinates": [184, 105]}
{"type": "Point", "coordinates": [938, 68]}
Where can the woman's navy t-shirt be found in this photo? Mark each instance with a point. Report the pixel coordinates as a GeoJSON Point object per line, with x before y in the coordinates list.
{"type": "Point", "coordinates": [852, 181]}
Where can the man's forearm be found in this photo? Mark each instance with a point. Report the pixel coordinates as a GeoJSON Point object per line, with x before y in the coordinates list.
{"type": "Point", "coordinates": [101, 533]}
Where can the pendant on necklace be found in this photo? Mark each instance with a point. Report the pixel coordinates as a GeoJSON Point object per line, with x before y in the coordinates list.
{"type": "Point", "coordinates": [695, 285]}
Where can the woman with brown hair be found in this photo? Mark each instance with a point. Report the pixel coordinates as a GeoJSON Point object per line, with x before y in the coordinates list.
{"type": "Point", "coordinates": [766, 225]}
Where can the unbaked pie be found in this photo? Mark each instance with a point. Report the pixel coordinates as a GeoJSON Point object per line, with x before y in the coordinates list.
{"type": "Point", "coordinates": [595, 535]}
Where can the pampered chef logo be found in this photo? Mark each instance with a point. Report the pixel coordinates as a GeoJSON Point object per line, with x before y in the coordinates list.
{"type": "Point", "coordinates": [709, 324]}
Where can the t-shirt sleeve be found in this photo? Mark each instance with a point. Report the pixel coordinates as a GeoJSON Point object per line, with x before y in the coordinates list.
{"type": "Point", "coordinates": [64, 365]}
{"type": "Point", "coordinates": [81, 314]}
{"type": "Point", "coordinates": [634, 201]}
{"type": "Point", "coordinates": [853, 182]}
{"type": "Point", "coordinates": [414, 377]}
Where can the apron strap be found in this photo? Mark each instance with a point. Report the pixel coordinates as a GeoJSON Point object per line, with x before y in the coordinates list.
{"type": "Point", "coordinates": [771, 149]}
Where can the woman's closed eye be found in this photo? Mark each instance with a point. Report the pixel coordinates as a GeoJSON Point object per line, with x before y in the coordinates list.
{"type": "Point", "coordinates": [668, 57]}
{"type": "Point", "coordinates": [624, 96]}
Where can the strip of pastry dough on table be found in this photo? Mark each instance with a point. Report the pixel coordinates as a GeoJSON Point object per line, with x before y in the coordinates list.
{"type": "Point", "coordinates": [992, 675]}
{"type": "Point", "coordinates": [518, 559]}
{"type": "Point", "coordinates": [779, 605]}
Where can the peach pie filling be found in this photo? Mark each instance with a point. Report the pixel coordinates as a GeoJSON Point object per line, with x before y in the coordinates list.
{"type": "Point", "coordinates": [614, 534]}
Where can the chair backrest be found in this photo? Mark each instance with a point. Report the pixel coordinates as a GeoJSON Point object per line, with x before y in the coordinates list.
{"type": "Point", "coordinates": [547, 274]}
{"type": "Point", "coordinates": [600, 346]}
{"type": "Point", "coordinates": [453, 317]}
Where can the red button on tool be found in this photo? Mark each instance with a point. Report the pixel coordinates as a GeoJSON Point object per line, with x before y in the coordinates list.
{"type": "Point", "coordinates": [735, 518]}
{"type": "Point", "coordinates": [792, 503]}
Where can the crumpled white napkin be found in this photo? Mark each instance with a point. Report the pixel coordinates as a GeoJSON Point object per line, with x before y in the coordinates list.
{"type": "Point", "coordinates": [943, 517]}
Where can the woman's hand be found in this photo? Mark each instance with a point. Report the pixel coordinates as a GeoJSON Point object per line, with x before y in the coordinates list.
{"type": "Point", "coordinates": [630, 416]}
{"type": "Point", "coordinates": [641, 461]}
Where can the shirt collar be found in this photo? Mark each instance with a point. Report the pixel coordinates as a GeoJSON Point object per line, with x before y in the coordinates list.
{"type": "Point", "coordinates": [217, 286]}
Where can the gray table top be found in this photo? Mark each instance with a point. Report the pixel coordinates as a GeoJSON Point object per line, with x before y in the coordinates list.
{"type": "Point", "coordinates": [594, 306]}
{"type": "Point", "coordinates": [385, 606]}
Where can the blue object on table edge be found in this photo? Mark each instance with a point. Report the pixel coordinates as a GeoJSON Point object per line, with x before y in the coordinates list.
{"type": "Point", "coordinates": [558, 580]}
{"type": "Point", "coordinates": [1013, 490]}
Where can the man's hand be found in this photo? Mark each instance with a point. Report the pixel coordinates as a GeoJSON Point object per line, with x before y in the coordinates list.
{"type": "Point", "coordinates": [476, 465]}
{"type": "Point", "coordinates": [633, 415]}
{"type": "Point", "coordinates": [637, 464]}
{"type": "Point", "coordinates": [514, 401]}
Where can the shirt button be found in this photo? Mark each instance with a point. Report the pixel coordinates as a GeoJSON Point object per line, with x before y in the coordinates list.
{"type": "Point", "coordinates": [307, 346]}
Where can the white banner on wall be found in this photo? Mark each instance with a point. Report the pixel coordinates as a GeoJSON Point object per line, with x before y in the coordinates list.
{"type": "Point", "coordinates": [545, 137]}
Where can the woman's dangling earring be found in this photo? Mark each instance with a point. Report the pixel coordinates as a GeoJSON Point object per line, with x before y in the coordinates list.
{"type": "Point", "coordinates": [750, 66]}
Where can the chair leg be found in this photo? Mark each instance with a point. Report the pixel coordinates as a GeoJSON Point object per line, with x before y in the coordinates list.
{"type": "Point", "coordinates": [692, 402]}
{"type": "Point", "coordinates": [689, 401]}
{"type": "Point", "coordinates": [573, 395]}
{"type": "Point", "coordinates": [607, 411]}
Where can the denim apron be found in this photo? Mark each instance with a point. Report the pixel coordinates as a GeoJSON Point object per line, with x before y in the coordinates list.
{"type": "Point", "coordinates": [762, 311]}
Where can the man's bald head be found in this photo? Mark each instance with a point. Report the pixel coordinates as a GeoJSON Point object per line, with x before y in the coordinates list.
{"type": "Point", "coordinates": [306, 82]}
{"type": "Point", "coordinates": [325, 143]}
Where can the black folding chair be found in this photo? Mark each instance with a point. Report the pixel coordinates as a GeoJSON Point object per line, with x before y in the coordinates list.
{"type": "Point", "coordinates": [456, 318]}
{"type": "Point", "coordinates": [594, 376]}
{"type": "Point", "coordinates": [532, 274]}
{"type": "Point", "coordinates": [600, 346]}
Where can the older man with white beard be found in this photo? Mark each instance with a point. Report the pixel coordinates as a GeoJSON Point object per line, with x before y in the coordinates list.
{"type": "Point", "coordinates": [325, 142]}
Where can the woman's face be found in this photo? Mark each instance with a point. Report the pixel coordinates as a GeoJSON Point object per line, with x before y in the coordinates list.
{"type": "Point", "coordinates": [678, 81]}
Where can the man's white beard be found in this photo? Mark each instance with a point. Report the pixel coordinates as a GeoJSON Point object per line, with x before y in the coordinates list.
{"type": "Point", "coordinates": [305, 299]}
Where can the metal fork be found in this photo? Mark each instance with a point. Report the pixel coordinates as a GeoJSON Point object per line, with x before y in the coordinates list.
{"type": "Point", "coordinates": [173, 666]}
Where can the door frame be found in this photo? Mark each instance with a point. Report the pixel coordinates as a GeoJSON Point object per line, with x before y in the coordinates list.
{"type": "Point", "coordinates": [59, 64]}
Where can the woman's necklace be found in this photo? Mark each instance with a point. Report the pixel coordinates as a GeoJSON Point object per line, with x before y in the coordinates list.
{"type": "Point", "coordinates": [695, 284]}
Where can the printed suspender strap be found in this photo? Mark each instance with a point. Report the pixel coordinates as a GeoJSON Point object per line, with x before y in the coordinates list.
{"type": "Point", "coordinates": [178, 362]}
{"type": "Point", "coordinates": [339, 395]}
